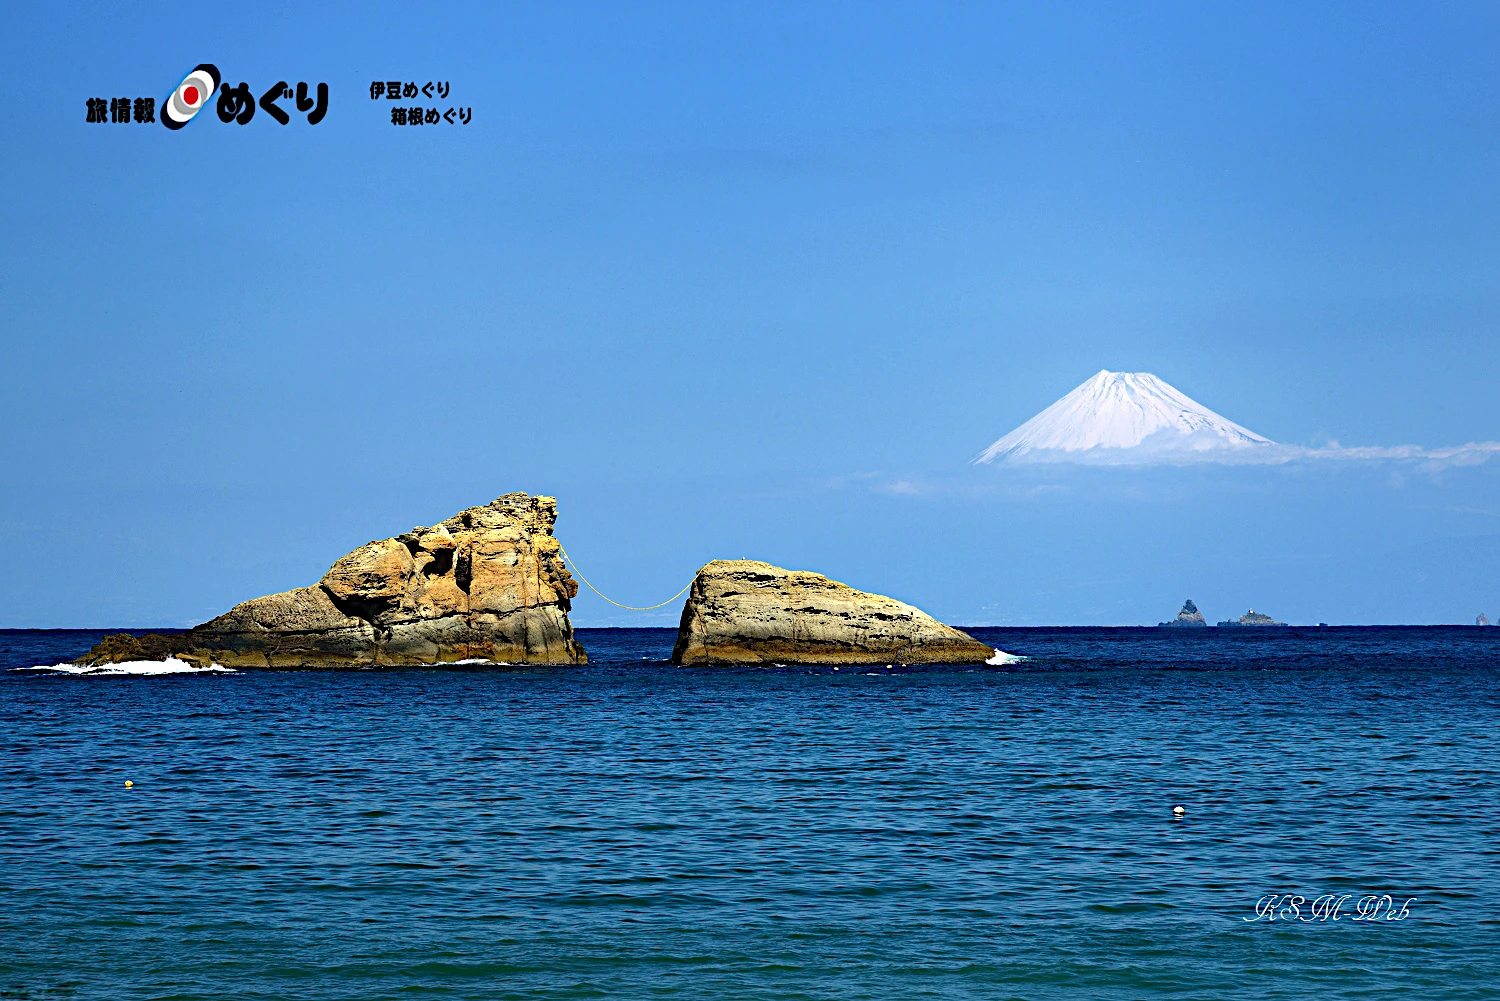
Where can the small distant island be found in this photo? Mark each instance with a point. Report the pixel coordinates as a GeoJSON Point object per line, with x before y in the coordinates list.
{"type": "Point", "coordinates": [1252, 618]}
{"type": "Point", "coordinates": [1189, 616]}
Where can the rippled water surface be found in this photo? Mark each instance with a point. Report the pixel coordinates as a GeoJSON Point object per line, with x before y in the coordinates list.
{"type": "Point", "coordinates": [634, 830]}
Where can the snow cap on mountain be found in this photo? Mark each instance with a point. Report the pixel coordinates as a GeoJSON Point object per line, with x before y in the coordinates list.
{"type": "Point", "coordinates": [1125, 416]}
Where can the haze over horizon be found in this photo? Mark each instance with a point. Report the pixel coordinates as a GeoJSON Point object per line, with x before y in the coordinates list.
{"type": "Point", "coordinates": [759, 283]}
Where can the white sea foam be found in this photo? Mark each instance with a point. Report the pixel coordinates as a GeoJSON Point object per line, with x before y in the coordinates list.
{"type": "Point", "coordinates": [471, 661]}
{"type": "Point", "coordinates": [1001, 657]}
{"type": "Point", "coordinates": [138, 667]}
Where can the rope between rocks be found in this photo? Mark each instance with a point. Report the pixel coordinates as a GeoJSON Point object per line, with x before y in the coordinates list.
{"type": "Point", "coordinates": [634, 608]}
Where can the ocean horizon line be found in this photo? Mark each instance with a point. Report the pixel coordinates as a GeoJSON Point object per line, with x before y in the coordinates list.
{"type": "Point", "coordinates": [1210, 627]}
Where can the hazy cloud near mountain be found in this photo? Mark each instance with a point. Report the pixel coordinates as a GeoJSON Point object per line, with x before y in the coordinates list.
{"type": "Point", "coordinates": [1272, 453]}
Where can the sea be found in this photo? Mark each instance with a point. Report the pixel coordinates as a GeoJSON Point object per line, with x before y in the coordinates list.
{"type": "Point", "coordinates": [634, 830]}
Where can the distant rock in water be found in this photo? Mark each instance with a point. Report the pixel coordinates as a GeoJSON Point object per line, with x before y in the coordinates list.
{"type": "Point", "coordinates": [748, 612]}
{"type": "Point", "coordinates": [487, 584]}
{"type": "Point", "coordinates": [1189, 616]}
{"type": "Point", "coordinates": [1483, 620]}
{"type": "Point", "coordinates": [1253, 618]}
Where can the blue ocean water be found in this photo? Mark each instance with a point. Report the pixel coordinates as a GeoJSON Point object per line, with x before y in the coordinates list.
{"type": "Point", "coordinates": [633, 830]}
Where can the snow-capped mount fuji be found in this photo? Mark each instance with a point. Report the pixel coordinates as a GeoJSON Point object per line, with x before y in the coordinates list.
{"type": "Point", "coordinates": [1126, 417]}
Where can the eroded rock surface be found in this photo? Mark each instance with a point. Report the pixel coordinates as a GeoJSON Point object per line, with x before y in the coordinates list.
{"type": "Point", "coordinates": [1189, 616]}
{"type": "Point", "coordinates": [487, 584]}
{"type": "Point", "coordinates": [748, 612]}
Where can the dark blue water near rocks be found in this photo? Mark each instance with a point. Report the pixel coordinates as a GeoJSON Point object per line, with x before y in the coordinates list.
{"type": "Point", "coordinates": [631, 830]}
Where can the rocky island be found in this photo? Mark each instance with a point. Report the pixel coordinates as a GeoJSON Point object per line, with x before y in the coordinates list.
{"type": "Point", "coordinates": [748, 612]}
{"type": "Point", "coordinates": [1252, 618]}
{"type": "Point", "coordinates": [1189, 616]}
{"type": "Point", "coordinates": [488, 584]}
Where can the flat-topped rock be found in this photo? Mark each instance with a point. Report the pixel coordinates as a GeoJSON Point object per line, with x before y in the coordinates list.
{"type": "Point", "coordinates": [487, 584]}
{"type": "Point", "coordinates": [748, 612]}
{"type": "Point", "coordinates": [1252, 618]}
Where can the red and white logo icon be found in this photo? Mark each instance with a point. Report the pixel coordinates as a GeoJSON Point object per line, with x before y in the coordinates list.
{"type": "Point", "coordinates": [190, 96]}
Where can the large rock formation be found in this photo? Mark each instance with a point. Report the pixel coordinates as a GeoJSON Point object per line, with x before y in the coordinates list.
{"type": "Point", "coordinates": [487, 584]}
{"type": "Point", "coordinates": [748, 612]}
{"type": "Point", "coordinates": [1189, 616]}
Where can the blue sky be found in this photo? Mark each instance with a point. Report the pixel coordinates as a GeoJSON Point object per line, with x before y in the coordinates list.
{"type": "Point", "coordinates": [754, 280]}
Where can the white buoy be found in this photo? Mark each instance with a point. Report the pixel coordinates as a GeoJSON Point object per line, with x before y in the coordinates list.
{"type": "Point", "coordinates": [1178, 811]}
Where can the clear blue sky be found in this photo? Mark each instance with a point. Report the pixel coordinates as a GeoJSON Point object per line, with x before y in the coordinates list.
{"type": "Point", "coordinates": [723, 278]}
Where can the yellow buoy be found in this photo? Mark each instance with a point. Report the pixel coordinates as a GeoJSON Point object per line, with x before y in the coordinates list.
{"type": "Point", "coordinates": [128, 783]}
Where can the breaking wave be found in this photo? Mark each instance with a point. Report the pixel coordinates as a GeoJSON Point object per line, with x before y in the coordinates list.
{"type": "Point", "coordinates": [1001, 658]}
{"type": "Point", "coordinates": [473, 662]}
{"type": "Point", "coordinates": [137, 667]}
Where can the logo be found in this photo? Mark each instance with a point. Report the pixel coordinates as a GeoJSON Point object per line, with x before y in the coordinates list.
{"type": "Point", "coordinates": [239, 104]}
{"type": "Point", "coordinates": [190, 96]}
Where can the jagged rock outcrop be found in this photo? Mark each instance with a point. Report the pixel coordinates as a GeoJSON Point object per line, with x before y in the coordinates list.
{"type": "Point", "coordinates": [487, 584]}
{"type": "Point", "coordinates": [748, 612]}
{"type": "Point", "coordinates": [1189, 616]}
{"type": "Point", "coordinates": [1253, 618]}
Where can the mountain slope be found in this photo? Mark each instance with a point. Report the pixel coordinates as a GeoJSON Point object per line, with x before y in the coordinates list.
{"type": "Point", "coordinates": [1124, 416]}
